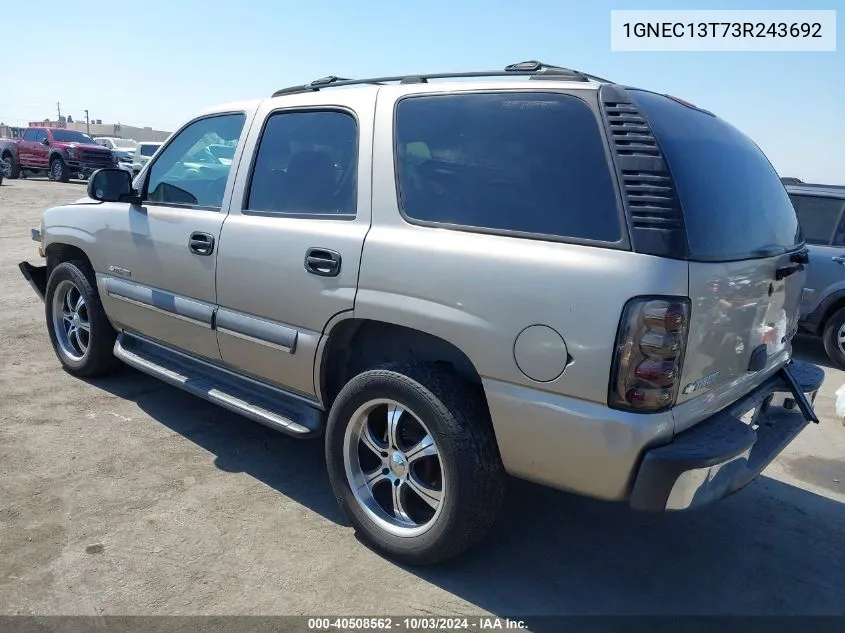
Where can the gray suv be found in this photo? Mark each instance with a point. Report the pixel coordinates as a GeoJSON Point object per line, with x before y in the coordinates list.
{"type": "Point", "coordinates": [820, 212]}
{"type": "Point", "coordinates": [543, 274]}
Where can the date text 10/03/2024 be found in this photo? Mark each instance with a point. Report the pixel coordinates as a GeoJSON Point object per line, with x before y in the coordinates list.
{"type": "Point", "coordinates": [414, 624]}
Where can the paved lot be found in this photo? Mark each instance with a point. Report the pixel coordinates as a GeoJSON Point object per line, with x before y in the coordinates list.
{"type": "Point", "coordinates": [127, 496]}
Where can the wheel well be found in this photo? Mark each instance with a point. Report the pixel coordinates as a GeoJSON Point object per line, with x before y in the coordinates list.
{"type": "Point", "coordinates": [58, 253]}
{"type": "Point", "coordinates": [356, 345]}
{"type": "Point", "coordinates": [7, 153]}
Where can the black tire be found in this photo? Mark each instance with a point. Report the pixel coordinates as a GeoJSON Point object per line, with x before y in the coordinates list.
{"type": "Point", "coordinates": [98, 359]}
{"type": "Point", "coordinates": [13, 169]}
{"type": "Point", "coordinates": [457, 417]}
{"type": "Point", "coordinates": [831, 333]}
{"type": "Point", "coordinates": [58, 170]}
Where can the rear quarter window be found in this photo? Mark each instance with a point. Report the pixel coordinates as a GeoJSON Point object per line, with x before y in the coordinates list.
{"type": "Point", "coordinates": [734, 203]}
{"type": "Point", "coordinates": [531, 163]}
{"type": "Point", "coordinates": [818, 215]}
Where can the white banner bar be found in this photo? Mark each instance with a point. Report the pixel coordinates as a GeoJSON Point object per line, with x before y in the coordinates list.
{"type": "Point", "coordinates": [712, 30]}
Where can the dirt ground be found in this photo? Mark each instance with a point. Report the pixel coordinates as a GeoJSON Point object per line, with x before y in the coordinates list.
{"type": "Point", "coordinates": [127, 496]}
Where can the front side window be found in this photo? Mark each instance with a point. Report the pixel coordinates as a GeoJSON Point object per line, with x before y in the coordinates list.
{"type": "Point", "coordinates": [818, 216]}
{"type": "Point", "coordinates": [148, 150]}
{"type": "Point", "coordinates": [186, 172]}
{"type": "Point", "coordinates": [40, 135]}
{"type": "Point", "coordinates": [528, 162]}
{"type": "Point", "coordinates": [306, 164]}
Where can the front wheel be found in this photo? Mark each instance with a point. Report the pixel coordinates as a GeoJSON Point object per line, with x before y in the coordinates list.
{"type": "Point", "coordinates": [58, 170]}
{"type": "Point", "coordinates": [413, 461]}
{"type": "Point", "coordinates": [79, 329]}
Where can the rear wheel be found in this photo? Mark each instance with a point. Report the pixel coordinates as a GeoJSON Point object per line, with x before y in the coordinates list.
{"type": "Point", "coordinates": [834, 338]}
{"type": "Point", "coordinates": [413, 462]}
{"type": "Point", "coordinates": [80, 332]}
{"type": "Point", "coordinates": [58, 170]}
{"type": "Point", "coordinates": [11, 169]}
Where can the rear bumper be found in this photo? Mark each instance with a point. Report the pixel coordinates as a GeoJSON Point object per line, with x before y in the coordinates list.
{"type": "Point", "coordinates": [722, 454]}
{"type": "Point", "coordinates": [36, 276]}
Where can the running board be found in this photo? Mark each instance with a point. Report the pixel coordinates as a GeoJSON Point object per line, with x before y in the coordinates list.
{"type": "Point", "coordinates": [257, 401]}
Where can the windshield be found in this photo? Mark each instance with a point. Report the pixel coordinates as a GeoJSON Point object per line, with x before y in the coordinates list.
{"type": "Point", "coordinates": [70, 136]}
{"type": "Point", "coordinates": [124, 143]}
{"type": "Point", "coordinates": [148, 150]}
{"type": "Point", "coordinates": [733, 201]}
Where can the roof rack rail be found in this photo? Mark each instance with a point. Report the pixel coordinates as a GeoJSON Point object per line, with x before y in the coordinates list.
{"type": "Point", "coordinates": [533, 69]}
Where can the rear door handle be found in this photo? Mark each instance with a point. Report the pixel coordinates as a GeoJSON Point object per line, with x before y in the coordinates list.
{"type": "Point", "coordinates": [201, 243]}
{"type": "Point", "coordinates": [322, 262]}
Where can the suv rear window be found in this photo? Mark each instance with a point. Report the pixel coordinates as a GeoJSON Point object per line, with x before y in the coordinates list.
{"type": "Point", "coordinates": [528, 162]}
{"type": "Point", "coordinates": [734, 203]}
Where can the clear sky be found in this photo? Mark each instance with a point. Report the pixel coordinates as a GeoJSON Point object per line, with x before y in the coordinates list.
{"type": "Point", "coordinates": [156, 62]}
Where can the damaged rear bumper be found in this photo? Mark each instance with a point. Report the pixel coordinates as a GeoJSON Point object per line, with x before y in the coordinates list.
{"type": "Point", "coordinates": [722, 454]}
{"type": "Point", "coordinates": [36, 276]}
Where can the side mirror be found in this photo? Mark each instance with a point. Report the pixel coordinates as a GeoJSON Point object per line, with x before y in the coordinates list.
{"type": "Point", "coordinates": [45, 141]}
{"type": "Point", "coordinates": [112, 185]}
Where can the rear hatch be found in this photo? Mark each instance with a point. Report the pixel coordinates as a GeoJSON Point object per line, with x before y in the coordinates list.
{"type": "Point", "coordinates": [744, 250]}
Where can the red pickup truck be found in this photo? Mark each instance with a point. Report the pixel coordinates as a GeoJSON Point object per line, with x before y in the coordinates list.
{"type": "Point", "coordinates": [61, 153]}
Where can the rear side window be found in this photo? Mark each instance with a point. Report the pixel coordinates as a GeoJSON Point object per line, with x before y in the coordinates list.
{"type": "Point", "coordinates": [526, 162]}
{"type": "Point", "coordinates": [734, 203]}
{"type": "Point", "coordinates": [306, 164]}
{"type": "Point", "coordinates": [818, 215]}
{"type": "Point", "coordinates": [148, 150]}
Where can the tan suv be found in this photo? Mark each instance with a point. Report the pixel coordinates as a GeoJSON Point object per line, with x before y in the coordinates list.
{"type": "Point", "coordinates": [544, 274]}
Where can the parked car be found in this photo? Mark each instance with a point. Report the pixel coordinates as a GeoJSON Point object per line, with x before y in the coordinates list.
{"type": "Point", "coordinates": [143, 152]}
{"type": "Point", "coordinates": [590, 286]}
{"type": "Point", "coordinates": [115, 143]}
{"type": "Point", "coordinates": [58, 152]}
{"type": "Point", "coordinates": [820, 211]}
{"type": "Point", "coordinates": [123, 149]}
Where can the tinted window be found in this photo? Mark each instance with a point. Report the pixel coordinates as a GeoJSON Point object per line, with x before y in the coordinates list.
{"type": "Point", "coordinates": [40, 135]}
{"type": "Point", "coordinates": [71, 136]}
{"type": "Point", "coordinates": [818, 215]}
{"type": "Point", "coordinates": [149, 150]}
{"type": "Point", "coordinates": [185, 172]}
{"type": "Point", "coordinates": [306, 163]}
{"type": "Point", "coordinates": [29, 134]}
{"type": "Point", "coordinates": [734, 204]}
{"type": "Point", "coordinates": [528, 162]}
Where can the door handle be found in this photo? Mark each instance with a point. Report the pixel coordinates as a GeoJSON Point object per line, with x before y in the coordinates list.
{"type": "Point", "coordinates": [322, 262]}
{"type": "Point", "coordinates": [201, 243]}
{"type": "Point", "coordinates": [839, 259]}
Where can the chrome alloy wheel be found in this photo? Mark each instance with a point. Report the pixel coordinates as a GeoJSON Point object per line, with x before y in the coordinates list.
{"type": "Point", "coordinates": [393, 467]}
{"type": "Point", "coordinates": [70, 321]}
{"type": "Point", "coordinates": [840, 339]}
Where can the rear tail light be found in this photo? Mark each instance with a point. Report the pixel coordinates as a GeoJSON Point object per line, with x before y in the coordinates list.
{"type": "Point", "coordinates": [649, 353]}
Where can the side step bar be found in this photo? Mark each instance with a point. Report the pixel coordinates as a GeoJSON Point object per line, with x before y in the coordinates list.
{"type": "Point", "coordinates": [252, 399]}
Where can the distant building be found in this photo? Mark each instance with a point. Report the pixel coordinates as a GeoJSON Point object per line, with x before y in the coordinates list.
{"type": "Point", "coordinates": [95, 128]}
